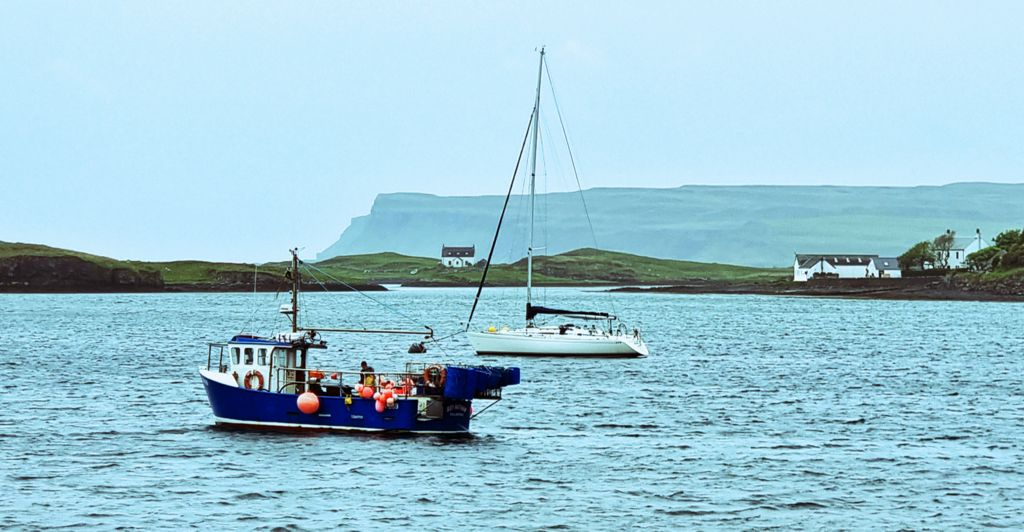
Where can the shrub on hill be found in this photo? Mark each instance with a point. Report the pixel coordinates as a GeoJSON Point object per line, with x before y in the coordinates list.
{"type": "Point", "coordinates": [1006, 253]}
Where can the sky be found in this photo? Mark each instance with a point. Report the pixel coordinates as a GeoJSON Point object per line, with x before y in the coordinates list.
{"type": "Point", "coordinates": [233, 131]}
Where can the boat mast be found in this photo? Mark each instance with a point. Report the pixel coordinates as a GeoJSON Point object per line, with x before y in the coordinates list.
{"type": "Point", "coordinates": [533, 182]}
{"type": "Point", "coordinates": [295, 290]}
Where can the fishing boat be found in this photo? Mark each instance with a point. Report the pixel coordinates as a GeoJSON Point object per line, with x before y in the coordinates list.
{"type": "Point", "coordinates": [272, 383]}
{"type": "Point", "coordinates": [602, 335]}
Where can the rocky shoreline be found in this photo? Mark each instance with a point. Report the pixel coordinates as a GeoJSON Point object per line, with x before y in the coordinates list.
{"type": "Point", "coordinates": [74, 275]}
{"type": "Point", "coordinates": [947, 288]}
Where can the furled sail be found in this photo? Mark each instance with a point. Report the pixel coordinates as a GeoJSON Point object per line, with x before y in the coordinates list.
{"type": "Point", "coordinates": [533, 311]}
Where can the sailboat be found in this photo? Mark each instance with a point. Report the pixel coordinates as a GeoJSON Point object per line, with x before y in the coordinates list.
{"type": "Point", "coordinates": [601, 337]}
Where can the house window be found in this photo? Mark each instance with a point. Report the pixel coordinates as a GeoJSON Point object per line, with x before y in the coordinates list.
{"type": "Point", "coordinates": [263, 357]}
{"type": "Point", "coordinates": [234, 354]}
{"type": "Point", "coordinates": [248, 356]}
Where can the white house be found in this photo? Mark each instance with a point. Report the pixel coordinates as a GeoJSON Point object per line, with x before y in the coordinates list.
{"type": "Point", "coordinates": [888, 267]}
{"type": "Point", "coordinates": [807, 267]}
{"type": "Point", "coordinates": [457, 256]}
{"type": "Point", "coordinates": [964, 246]}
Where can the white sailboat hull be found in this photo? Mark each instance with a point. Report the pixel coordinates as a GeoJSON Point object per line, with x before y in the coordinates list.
{"type": "Point", "coordinates": [536, 341]}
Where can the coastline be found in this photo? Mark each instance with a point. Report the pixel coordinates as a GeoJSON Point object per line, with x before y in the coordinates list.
{"type": "Point", "coordinates": [181, 289]}
{"type": "Point", "coordinates": [906, 289]}
{"type": "Point", "coordinates": [929, 290]}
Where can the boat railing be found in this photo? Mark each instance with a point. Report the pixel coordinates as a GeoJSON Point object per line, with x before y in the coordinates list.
{"type": "Point", "coordinates": [425, 369]}
{"type": "Point", "coordinates": [297, 380]}
{"type": "Point", "coordinates": [221, 366]}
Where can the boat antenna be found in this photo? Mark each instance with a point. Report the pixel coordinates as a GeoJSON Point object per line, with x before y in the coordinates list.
{"type": "Point", "coordinates": [295, 289]}
{"type": "Point", "coordinates": [497, 230]}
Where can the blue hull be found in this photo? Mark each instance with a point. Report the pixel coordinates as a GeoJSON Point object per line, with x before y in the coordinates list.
{"type": "Point", "coordinates": [279, 411]}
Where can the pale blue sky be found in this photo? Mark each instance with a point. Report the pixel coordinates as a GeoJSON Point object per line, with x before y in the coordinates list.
{"type": "Point", "coordinates": [233, 131]}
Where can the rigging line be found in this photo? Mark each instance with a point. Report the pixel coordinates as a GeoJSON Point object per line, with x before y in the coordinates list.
{"type": "Point", "coordinates": [497, 229]}
{"type": "Point", "coordinates": [255, 276]}
{"type": "Point", "coordinates": [517, 241]}
{"type": "Point", "coordinates": [572, 160]}
{"type": "Point", "coordinates": [542, 136]}
{"type": "Point", "coordinates": [435, 340]}
{"type": "Point", "coordinates": [322, 285]}
{"type": "Point", "coordinates": [253, 327]}
{"type": "Point", "coordinates": [356, 290]}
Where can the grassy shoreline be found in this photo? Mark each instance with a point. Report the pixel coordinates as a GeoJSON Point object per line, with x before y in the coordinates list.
{"type": "Point", "coordinates": [38, 268]}
{"type": "Point", "coordinates": [33, 268]}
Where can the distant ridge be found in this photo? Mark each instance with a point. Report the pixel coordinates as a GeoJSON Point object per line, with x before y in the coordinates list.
{"type": "Point", "coordinates": [756, 225]}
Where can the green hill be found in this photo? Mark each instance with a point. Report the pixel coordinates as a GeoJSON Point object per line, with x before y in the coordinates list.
{"type": "Point", "coordinates": [581, 266]}
{"type": "Point", "coordinates": [37, 268]}
{"type": "Point", "coordinates": [19, 249]}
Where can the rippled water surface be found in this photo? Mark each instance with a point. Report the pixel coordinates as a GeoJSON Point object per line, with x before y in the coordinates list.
{"type": "Point", "coordinates": [750, 412]}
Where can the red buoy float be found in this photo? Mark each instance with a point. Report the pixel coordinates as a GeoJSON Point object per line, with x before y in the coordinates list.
{"type": "Point", "coordinates": [308, 403]}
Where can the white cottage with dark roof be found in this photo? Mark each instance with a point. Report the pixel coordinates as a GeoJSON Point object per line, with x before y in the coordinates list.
{"type": "Point", "coordinates": [809, 266]}
{"type": "Point", "coordinates": [457, 256]}
{"type": "Point", "coordinates": [964, 246]}
{"type": "Point", "coordinates": [888, 267]}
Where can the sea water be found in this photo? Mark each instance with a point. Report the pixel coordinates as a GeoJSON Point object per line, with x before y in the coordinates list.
{"type": "Point", "coordinates": [752, 411]}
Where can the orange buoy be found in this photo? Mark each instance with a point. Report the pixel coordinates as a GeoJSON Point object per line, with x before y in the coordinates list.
{"type": "Point", "coordinates": [366, 392]}
{"type": "Point", "coordinates": [308, 403]}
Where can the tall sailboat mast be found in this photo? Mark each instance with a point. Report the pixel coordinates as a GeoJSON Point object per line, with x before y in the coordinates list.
{"type": "Point", "coordinates": [533, 183]}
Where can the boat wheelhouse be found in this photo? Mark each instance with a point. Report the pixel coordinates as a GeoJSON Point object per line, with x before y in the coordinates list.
{"type": "Point", "coordinates": [271, 383]}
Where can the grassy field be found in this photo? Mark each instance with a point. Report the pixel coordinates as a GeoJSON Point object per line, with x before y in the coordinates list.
{"type": "Point", "coordinates": [18, 249]}
{"type": "Point", "coordinates": [198, 272]}
{"type": "Point", "coordinates": [582, 266]}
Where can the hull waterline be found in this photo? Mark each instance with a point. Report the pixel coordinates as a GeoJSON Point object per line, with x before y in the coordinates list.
{"type": "Point", "coordinates": [264, 410]}
{"type": "Point", "coordinates": [553, 345]}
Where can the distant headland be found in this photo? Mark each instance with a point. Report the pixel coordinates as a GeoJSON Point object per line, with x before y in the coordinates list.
{"type": "Point", "coordinates": [753, 225]}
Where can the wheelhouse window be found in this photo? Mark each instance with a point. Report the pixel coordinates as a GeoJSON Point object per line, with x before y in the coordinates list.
{"type": "Point", "coordinates": [248, 356]}
{"type": "Point", "coordinates": [235, 354]}
{"type": "Point", "coordinates": [262, 359]}
{"type": "Point", "coordinates": [281, 358]}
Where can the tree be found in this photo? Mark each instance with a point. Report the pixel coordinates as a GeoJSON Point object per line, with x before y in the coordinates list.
{"type": "Point", "coordinates": [1014, 257]}
{"type": "Point", "coordinates": [1009, 238]}
{"type": "Point", "coordinates": [941, 247]}
{"type": "Point", "coordinates": [985, 260]}
{"type": "Point", "coordinates": [917, 256]}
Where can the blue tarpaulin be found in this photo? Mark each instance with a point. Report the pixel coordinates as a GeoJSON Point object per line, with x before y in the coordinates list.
{"type": "Point", "coordinates": [464, 383]}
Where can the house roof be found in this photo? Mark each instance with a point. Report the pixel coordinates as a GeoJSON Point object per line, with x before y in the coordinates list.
{"type": "Point", "coordinates": [833, 259]}
{"type": "Point", "coordinates": [887, 263]}
{"type": "Point", "coordinates": [961, 242]}
{"type": "Point", "coordinates": [458, 251]}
